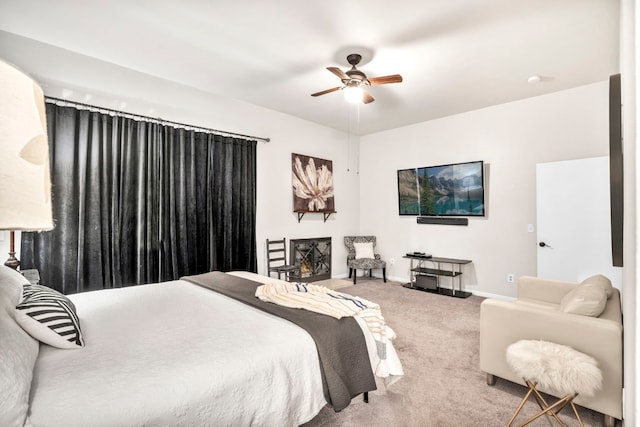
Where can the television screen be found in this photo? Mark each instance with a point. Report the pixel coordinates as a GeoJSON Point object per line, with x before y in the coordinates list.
{"type": "Point", "coordinates": [446, 190]}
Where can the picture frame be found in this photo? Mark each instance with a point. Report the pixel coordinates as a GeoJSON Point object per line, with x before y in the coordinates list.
{"type": "Point", "coordinates": [312, 184]}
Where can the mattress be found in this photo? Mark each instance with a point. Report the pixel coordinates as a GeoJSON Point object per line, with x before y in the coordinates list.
{"type": "Point", "coordinates": [176, 354]}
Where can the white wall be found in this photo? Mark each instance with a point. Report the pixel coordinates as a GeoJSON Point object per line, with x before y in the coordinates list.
{"type": "Point", "coordinates": [510, 138]}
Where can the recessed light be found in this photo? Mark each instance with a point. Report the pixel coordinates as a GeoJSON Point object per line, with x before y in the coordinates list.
{"type": "Point", "coordinates": [533, 79]}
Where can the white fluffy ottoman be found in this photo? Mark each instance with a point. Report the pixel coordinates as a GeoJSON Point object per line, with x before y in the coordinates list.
{"type": "Point", "coordinates": [554, 367]}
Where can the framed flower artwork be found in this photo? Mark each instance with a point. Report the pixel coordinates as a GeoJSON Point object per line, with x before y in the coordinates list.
{"type": "Point", "coordinates": [312, 184]}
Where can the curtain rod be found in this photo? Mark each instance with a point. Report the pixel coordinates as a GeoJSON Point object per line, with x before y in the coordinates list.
{"type": "Point", "coordinates": [81, 106]}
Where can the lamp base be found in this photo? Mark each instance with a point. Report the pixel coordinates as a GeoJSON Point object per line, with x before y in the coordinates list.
{"type": "Point", "coordinates": [12, 261]}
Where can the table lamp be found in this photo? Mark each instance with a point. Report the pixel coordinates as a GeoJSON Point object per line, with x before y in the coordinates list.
{"type": "Point", "coordinates": [25, 186]}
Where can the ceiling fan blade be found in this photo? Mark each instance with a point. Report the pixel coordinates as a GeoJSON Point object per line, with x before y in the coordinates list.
{"type": "Point", "coordinates": [324, 92]}
{"type": "Point", "coordinates": [338, 72]}
{"type": "Point", "coordinates": [366, 97]}
{"type": "Point", "coordinates": [394, 78]}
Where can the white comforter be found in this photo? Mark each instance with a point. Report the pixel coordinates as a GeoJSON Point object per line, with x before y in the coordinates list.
{"type": "Point", "coordinates": [175, 354]}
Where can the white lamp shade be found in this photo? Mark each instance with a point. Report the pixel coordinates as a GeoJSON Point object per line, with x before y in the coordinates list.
{"type": "Point", "coordinates": [25, 186]}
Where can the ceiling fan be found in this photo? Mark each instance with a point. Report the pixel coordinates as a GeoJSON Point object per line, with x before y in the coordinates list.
{"type": "Point", "coordinates": [354, 81]}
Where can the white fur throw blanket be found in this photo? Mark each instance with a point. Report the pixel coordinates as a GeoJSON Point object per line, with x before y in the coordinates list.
{"type": "Point", "coordinates": [555, 367]}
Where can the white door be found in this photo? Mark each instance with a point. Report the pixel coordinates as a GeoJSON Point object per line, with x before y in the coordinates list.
{"type": "Point", "coordinates": [573, 218]}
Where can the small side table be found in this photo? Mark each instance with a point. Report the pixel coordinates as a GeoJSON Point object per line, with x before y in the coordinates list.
{"type": "Point", "coordinates": [418, 268]}
{"type": "Point", "coordinates": [32, 275]}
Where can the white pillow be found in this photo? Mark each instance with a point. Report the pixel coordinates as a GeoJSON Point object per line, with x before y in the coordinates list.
{"type": "Point", "coordinates": [49, 317]}
{"type": "Point", "coordinates": [18, 353]}
{"type": "Point", "coordinates": [586, 300]}
{"type": "Point", "coordinates": [364, 250]}
{"type": "Point", "coordinates": [600, 281]}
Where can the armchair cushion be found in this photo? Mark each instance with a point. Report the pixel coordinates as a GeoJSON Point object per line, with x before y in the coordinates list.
{"type": "Point", "coordinates": [366, 263]}
{"type": "Point", "coordinates": [587, 300]}
{"type": "Point", "coordinates": [364, 250]}
{"type": "Point", "coordinates": [600, 281]}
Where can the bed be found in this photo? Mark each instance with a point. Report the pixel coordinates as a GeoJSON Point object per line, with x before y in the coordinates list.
{"type": "Point", "coordinates": [172, 353]}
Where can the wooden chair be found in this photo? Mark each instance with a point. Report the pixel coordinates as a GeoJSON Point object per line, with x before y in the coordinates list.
{"type": "Point", "coordinates": [277, 260]}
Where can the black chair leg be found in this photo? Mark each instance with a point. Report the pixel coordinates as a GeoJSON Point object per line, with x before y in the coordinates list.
{"type": "Point", "coordinates": [350, 271]}
{"type": "Point", "coordinates": [384, 274]}
{"type": "Point", "coordinates": [371, 272]}
{"type": "Point", "coordinates": [355, 274]}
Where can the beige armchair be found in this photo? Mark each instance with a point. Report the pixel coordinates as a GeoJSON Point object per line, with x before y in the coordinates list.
{"type": "Point", "coordinates": [540, 313]}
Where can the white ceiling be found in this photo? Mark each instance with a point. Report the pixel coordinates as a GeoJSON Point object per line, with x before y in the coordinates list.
{"type": "Point", "coordinates": [454, 55]}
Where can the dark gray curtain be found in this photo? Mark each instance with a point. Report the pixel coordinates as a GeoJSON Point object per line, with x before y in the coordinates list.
{"type": "Point", "coordinates": [136, 202]}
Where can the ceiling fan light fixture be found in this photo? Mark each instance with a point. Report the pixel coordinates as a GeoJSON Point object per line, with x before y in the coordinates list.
{"type": "Point", "coordinates": [353, 94]}
{"type": "Point", "coordinates": [354, 82]}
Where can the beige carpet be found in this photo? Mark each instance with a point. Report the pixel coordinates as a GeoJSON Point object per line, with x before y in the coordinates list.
{"type": "Point", "coordinates": [438, 340]}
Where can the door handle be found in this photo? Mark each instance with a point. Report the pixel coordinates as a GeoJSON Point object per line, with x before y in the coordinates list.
{"type": "Point", "coordinates": [544, 245]}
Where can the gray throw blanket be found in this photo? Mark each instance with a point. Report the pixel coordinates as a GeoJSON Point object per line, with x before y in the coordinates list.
{"type": "Point", "coordinates": [342, 350]}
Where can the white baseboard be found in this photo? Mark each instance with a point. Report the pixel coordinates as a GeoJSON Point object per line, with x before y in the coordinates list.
{"type": "Point", "coordinates": [493, 296]}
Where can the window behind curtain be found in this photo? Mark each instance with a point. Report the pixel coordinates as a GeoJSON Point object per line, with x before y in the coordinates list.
{"type": "Point", "coordinates": [137, 202]}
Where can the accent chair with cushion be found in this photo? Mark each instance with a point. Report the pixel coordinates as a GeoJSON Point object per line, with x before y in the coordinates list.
{"type": "Point", "coordinates": [585, 316]}
{"type": "Point", "coordinates": [361, 256]}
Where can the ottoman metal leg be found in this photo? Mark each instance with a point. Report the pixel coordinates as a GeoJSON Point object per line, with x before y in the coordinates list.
{"type": "Point", "coordinates": [546, 409]}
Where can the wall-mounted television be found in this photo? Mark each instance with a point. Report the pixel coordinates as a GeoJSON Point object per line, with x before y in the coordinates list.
{"type": "Point", "coordinates": [444, 190]}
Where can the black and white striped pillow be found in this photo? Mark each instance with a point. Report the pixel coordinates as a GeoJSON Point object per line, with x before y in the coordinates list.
{"type": "Point", "coordinates": [49, 317]}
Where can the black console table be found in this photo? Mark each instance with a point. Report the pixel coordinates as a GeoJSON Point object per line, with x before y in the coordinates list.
{"type": "Point", "coordinates": [425, 273]}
